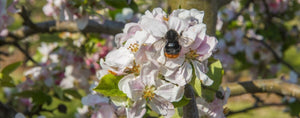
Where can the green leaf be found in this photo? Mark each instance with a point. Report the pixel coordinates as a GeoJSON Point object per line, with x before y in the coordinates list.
{"type": "Point", "coordinates": [113, 13]}
{"type": "Point", "coordinates": [38, 97]}
{"type": "Point", "coordinates": [184, 101]}
{"type": "Point", "coordinates": [108, 86]}
{"type": "Point", "coordinates": [59, 92]}
{"type": "Point", "coordinates": [12, 67]}
{"type": "Point", "coordinates": [119, 100]}
{"type": "Point", "coordinates": [73, 93]}
{"type": "Point", "coordinates": [178, 113]}
{"type": "Point", "coordinates": [6, 80]}
{"type": "Point", "coordinates": [215, 73]}
{"type": "Point", "coordinates": [117, 3]}
{"type": "Point", "coordinates": [196, 84]}
{"type": "Point", "coordinates": [295, 108]}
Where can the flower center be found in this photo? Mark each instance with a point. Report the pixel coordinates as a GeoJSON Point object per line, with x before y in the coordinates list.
{"type": "Point", "coordinates": [192, 54]}
{"type": "Point", "coordinates": [149, 92]}
{"type": "Point", "coordinates": [135, 69]}
{"type": "Point", "coordinates": [133, 47]}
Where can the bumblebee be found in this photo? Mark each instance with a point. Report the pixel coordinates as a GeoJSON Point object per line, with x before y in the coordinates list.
{"type": "Point", "coordinates": [171, 44]}
{"type": "Point", "coordinates": [172, 47]}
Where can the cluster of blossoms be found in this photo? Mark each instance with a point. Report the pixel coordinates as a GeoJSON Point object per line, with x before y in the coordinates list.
{"type": "Point", "coordinates": [236, 41]}
{"type": "Point", "coordinates": [59, 68]}
{"type": "Point", "coordinates": [149, 76]}
{"type": "Point", "coordinates": [5, 18]}
{"type": "Point", "coordinates": [275, 6]}
{"type": "Point", "coordinates": [65, 10]}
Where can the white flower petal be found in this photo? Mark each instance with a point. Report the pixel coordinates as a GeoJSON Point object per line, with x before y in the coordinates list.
{"type": "Point", "coordinates": [120, 58]}
{"type": "Point", "coordinates": [170, 92]}
{"type": "Point", "coordinates": [175, 63]}
{"type": "Point", "coordinates": [177, 24]}
{"type": "Point", "coordinates": [124, 84]}
{"type": "Point", "coordinates": [197, 14]}
{"type": "Point", "coordinates": [202, 76]}
{"type": "Point", "coordinates": [154, 27]}
{"type": "Point", "coordinates": [82, 22]}
{"type": "Point", "coordinates": [293, 77]}
{"type": "Point", "coordinates": [182, 75]}
{"type": "Point", "coordinates": [149, 73]}
{"type": "Point", "coordinates": [93, 99]}
{"type": "Point", "coordinates": [137, 110]}
{"type": "Point", "coordinates": [20, 115]}
{"type": "Point", "coordinates": [160, 105]}
{"type": "Point", "coordinates": [136, 89]}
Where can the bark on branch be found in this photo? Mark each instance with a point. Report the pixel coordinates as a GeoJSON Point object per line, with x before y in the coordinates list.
{"type": "Point", "coordinates": [108, 27]}
{"type": "Point", "coordinates": [264, 86]}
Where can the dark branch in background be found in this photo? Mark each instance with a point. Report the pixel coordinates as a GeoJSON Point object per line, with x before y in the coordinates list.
{"type": "Point", "coordinates": [254, 107]}
{"type": "Point", "coordinates": [4, 53]}
{"type": "Point", "coordinates": [6, 111]}
{"type": "Point", "coordinates": [223, 2]}
{"type": "Point", "coordinates": [27, 21]}
{"type": "Point", "coordinates": [264, 86]}
{"type": "Point", "coordinates": [276, 56]}
{"type": "Point", "coordinates": [24, 52]}
{"type": "Point", "coordinates": [190, 110]}
{"type": "Point", "coordinates": [108, 27]}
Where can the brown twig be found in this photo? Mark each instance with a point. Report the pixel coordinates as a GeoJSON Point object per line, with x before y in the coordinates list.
{"type": "Point", "coordinates": [27, 21]}
{"type": "Point", "coordinates": [276, 56]}
{"type": "Point", "coordinates": [24, 52]}
{"type": "Point", "coordinates": [264, 86]}
{"type": "Point", "coordinates": [223, 2]}
{"type": "Point", "coordinates": [254, 107]}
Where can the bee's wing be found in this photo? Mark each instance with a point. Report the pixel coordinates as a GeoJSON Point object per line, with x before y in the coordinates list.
{"type": "Point", "coordinates": [185, 42]}
{"type": "Point", "coordinates": [158, 45]}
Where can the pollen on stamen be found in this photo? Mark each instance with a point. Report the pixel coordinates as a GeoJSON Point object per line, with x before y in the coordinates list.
{"type": "Point", "coordinates": [133, 47]}
{"type": "Point", "coordinates": [111, 72]}
{"type": "Point", "coordinates": [148, 93]}
{"type": "Point", "coordinates": [192, 54]}
{"type": "Point", "coordinates": [165, 19]}
{"type": "Point", "coordinates": [135, 69]}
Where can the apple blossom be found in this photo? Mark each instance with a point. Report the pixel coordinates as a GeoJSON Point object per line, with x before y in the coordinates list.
{"type": "Point", "coordinates": [158, 94]}
{"type": "Point", "coordinates": [5, 18]}
{"type": "Point", "coordinates": [215, 108]}
{"type": "Point", "coordinates": [196, 46]}
{"type": "Point", "coordinates": [149, 78]}
{"type": "Point", "coordinates": [65, 10]}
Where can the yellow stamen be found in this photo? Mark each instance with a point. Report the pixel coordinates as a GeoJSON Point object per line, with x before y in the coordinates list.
{"type": "Point", "coordinates": [165, 19]}
{"type": "Point", "coordinates": [135, 69]}
{"type": "Point", "coordinates": [111, 72]}
{"type": "Point", "coordinates": [149, 92]}
{"type": "Point", "coordinates": [192, 54]}
{"type": "Point", "coordinates": [133, 47]}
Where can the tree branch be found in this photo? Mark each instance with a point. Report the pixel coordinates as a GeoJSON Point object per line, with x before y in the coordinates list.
{"type": "Point", "coordinates": [221, 3]}
{"type": "Point", "coordinates": [264, 86]}
{"type": "Point", "coordinates": [6, 111]}
{"type": "Point", "coordinates": [108, 27]}
{"type": "Point", "coordinates": [24, 52]}
{"type": "Point", "coordinates": [254, 107]}
{"type": "Point", "coordinates": [190, 110]}
{"type": "Point", "coordinates": [276, 56]}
